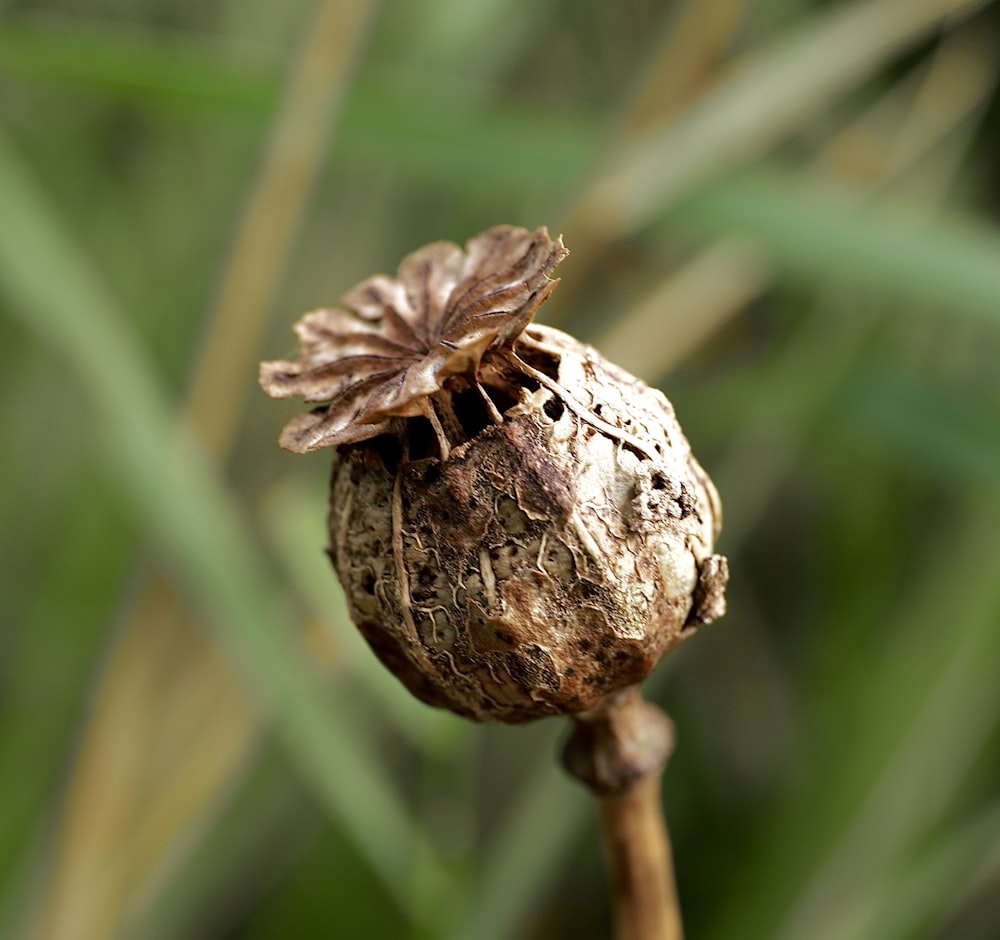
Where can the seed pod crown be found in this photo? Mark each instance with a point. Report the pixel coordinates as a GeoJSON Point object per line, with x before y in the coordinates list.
{"type": "Point", "coordinates": [519, 525]}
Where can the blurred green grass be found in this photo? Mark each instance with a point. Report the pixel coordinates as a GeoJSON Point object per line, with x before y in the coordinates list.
{"type": "Point", "coordinates": [830, 165]}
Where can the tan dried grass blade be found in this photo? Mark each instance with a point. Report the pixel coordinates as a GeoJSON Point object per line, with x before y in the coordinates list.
{"type": "Point", "coordinates": [762, 99]}
{"type": "Point", "coordinates": [171, 729]}
{"type": "Point", "coordinates": [169, 725]}
{"type": "Point", "coordinates": [272, 214]}
{"type": "Point", "coordinates": [686, 64]}
{"type": "Point", "coordinates": [689, 304]}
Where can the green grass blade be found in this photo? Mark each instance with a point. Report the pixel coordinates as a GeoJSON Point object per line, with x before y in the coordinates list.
{"type": "Point", "coordinates": [830, 857]}
{"type": "Point", "coordinates": [940, 877]}
{"type": "Point", "coordinates": [949, 264]}
{"type": "Point", "coordinates": [954, 713]}
{"type": "Point", "coordinates": [523, 861]}
{"type": "Point", "coordinates": [386, 120]}
{"type": "Point", "coordinates": [946, 431]}
{"type": "Point", "coordinates": [176, 70]}
{"type": "Point", "coordinates": [759, 103]}
{"type": "Point", "coordinates": [190, 515]}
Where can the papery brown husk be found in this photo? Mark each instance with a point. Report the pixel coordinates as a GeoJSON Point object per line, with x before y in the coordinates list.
{"type": "Point", "coordinates": [546, 562]}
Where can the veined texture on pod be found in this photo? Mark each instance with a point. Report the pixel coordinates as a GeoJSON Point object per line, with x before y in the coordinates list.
{"type": "Point", "coordinates": [519, 525]}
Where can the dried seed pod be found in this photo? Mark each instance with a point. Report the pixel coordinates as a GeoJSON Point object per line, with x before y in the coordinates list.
{"type": "Point", "coordinates": [519, 525]}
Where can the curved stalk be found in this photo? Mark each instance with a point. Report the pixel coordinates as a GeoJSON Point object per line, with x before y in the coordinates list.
{"type": "Point", "coordinates": [619, 751]}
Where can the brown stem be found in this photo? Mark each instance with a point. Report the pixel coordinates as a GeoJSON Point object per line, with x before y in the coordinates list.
{"type": "Point", "coordinates": [427, 406]}
{"type": "Point", "coordinates": [619, 750]}
{"type": "Point", "coordinates": [642, 872]}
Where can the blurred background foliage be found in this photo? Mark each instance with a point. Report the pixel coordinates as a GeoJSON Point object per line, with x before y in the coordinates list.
{"type": "Point", "coordinates": [783, 212]}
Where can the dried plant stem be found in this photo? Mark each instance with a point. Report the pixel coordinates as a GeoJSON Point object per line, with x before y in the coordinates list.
{"type": "Point", "coordinates": [640, 864]}
{"type": "Point", "coordinates": [619, 751]}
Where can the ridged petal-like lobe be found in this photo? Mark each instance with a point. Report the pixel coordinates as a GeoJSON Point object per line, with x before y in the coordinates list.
{"type": "Point", "coordinates": [398, 340]}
